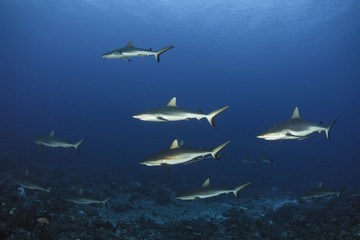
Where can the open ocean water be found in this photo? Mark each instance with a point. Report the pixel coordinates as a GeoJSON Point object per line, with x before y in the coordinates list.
{"type": "Point", "coordinates": [261, 58]}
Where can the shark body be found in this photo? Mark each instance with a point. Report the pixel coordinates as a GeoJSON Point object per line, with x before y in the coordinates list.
{"type": "Point", "coordinates": [248, 160]}
{"type": "Point", "coordinates": [80, 198]}
{"type": "Point", "coordinates": [51, 141]}
{"type": "Point", "coordinates": [29, 183]}
{"type": "Point", "coordinates": [131, 51]}
{"type": "Point", "coordinates": [267, 160]}
{"type": "Point", "coordinates": [319, 192]}
{"type": "Point", "coordinates": [179, 154]}
{"type": "Point", "coordinates": [171, 112]}
{"type": "Point", "coordinates": [207, 191]}
{"type": "Point", "coordinates": [295, 128]}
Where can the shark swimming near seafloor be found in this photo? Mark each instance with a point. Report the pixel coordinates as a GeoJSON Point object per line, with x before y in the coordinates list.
{"type": "Point", "coordinates": [51, 141]}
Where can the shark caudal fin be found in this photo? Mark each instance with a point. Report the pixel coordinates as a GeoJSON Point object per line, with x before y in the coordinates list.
{"type": "Point", "coordinates": [236, 190]}
{"type": "Point", "coordinates": [105, 201]}
{"type": "Point", "coordinates": [341, 191]}
{"type": "Point", "coordinates": [215, 151]}
{"type": "Point", "coordinates": [76, 145]}
{"type": "Point", "coordinates": [210, 117]}
{"type": "Point", "coordinates": [161, 51]}
{"type": "Point", "coordinates": [328, 128]}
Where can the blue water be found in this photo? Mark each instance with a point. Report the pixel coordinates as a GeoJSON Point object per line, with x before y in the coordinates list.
{"type": "Point", "coordinates": [263, 58]}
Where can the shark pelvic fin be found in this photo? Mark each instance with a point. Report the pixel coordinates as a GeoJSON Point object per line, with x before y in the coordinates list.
{"type": "Point", "coordinates": [172, 102]}
{"type": "Point", "coordinates": [52, 134]}
{"type": "Point", "coordinates": [295, 114]}
{"type": "Point", "coordinates": [130, 44]}
{"type": "Point", "coordinates": [175, 144]}
{"type": "Point", "coordinates": [206, 183]}
{"type": "Point", "coordinates": [166, 166]}
{"type": "Point", "coordinates": [126, 59]}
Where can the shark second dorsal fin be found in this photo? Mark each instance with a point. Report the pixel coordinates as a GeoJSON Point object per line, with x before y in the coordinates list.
{"type": "Point", "coordinates": [172, 102]}
{"type": "Point", "coordinates": [175, 144]}
{"type": "Point", "coordinates": [319, 186]}
{"type": "Point", "coordinates": [52, 133]}
{"type": "Point", "coordinates": [206, 183]}
{"type": "Point", "coordinates": [81, 191]}
{"type": "Point", "coordinates": [27, 172]}
{"type": "Point", "coordinates": [295, 114]}
{"type": "Point", "coordinates": [130, 44]}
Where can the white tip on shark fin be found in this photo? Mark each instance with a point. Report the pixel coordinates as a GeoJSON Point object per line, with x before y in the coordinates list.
{"type": "Point", "coordinates": [130, 44]}
{"type": "Point", "coordinates": [295, 114]}
{"type": "Point", "coordinates": [172, 102]}
{"type": "Point", "coordinates": [175, 144]}
{"type": "Point", "coordinates": [52, 133]}
{"type": "Point", "coordinates": [206, 183]}
{"type": "Point", "coordinates": [319, 186]}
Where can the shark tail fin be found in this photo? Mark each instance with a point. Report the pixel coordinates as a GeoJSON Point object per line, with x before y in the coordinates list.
{"type": "Point", "coordinates": [236, 190]}
{"type": "Point", "coordinates": [341, 191]}
{"type": "Point", "coordinates": [328, 128]}
{"type": "Point", "coordinates": [158, 53]}
{"type": "Point", "coordinates": [105, 201]}
{"type": "Point", "coordinates": [215, 152]}
{"type": "Point", "coordinates": [78, 144]}
{"type": "Point", "coordinates": [210, 117]}
{"type": "Point", "coordinates": [48, 190]}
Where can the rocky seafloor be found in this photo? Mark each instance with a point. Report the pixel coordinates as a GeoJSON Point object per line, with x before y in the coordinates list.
{"type": "Point", "coordinates": [138, 210]}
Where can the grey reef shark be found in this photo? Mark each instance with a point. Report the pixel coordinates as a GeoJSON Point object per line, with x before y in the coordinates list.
{"type": "Point", "coordinates": [207, 191]}
{"type": "Point", "coordinates": [81, 198]}
{"type": "Point", "coordinates": [171, 112]}
{"type": "Point", "coordinates": [319, 192]}
{"type": "Point", "coordinates": [295, 128]}
{"type": "Point", "coordinates": [131, 51]}
{"type": "Point", "coordinates": [51, 141]}
{"type": "Point", "coordinates": [29, 183]}
{"type": "Point", "coordinates": [177, 154]}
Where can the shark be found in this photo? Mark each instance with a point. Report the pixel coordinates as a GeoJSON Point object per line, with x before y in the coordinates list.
{"type": "Point", "coordinates": [177, 154]}
{"type": "Point", "coordinates": [130, 51]}
{"type": "Point", "coordinates": [295, 128]}
{"type": "Point", "coordinates": [267, 160]}
{"type": "Point", "coordinates": [207, 191]}
{"type": "Point", "coordinates": [248, 160]}
{"type": "Point", "coordinates": [81, 198]}
{"type": "Point", "coordinates": [51, 141]}
{"type": "Point", "coordinates": [171, 112]}
{"type": "Point", "coordinates": [29, 183]}
{"type": "Point", "coordinates": [319, 192]}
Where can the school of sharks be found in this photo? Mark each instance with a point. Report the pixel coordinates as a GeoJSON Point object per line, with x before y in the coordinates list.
{"type": "Point", "coordinates": [294, 128]}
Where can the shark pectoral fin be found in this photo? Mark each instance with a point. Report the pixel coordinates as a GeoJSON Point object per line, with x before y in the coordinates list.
{"type": "Point", "coordinates": [162, 119]}
{"type": "Point", "coordinates": [166, 166]}
{"type": "Point", "coordinates": [126, 59]}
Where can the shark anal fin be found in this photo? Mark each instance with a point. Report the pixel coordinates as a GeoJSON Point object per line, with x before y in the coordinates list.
{"type": "Point", "coordinates": [166, 166]}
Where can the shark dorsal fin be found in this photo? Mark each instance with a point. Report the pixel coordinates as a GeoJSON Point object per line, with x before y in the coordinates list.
{"type": "Point", "coordinates": [175, 144]}
{"type": "Point", "coordinates": [206, 183]}
{"type": "Point", "coordinates": [52, 133]}
{"type": "Point", "coordinates": [81, 191]}
{"type": "Point", "coordinates": [295, 114]}
{"type": "Point", "coordinates": [130, 44]}
{"type": "Point", "coordinates": [172, 102]}
{"type": "Point", "coordinates": [181, 143]}
{"type": "Point", "coordinates": [319, 186]}
{"type": "Point", "coordinates": [27, 172]}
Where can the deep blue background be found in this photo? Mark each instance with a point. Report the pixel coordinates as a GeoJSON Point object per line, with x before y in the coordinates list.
{"type": "Point", "coordinates": [262, 58]}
